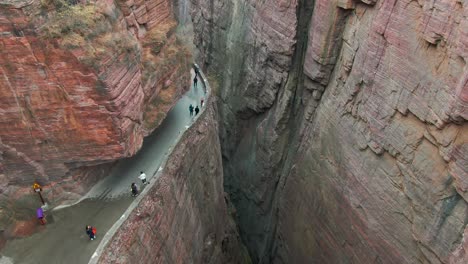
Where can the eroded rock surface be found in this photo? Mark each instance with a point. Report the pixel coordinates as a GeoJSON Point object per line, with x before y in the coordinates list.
{"type": "Point", "coordinates": [183, 218]}
{"type": "Point", "coordinates": [343, 126]}
{"type": "Point", "coordinates": [81, 84]}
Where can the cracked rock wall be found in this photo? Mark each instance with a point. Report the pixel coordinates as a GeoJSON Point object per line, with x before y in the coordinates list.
{"type": "Point", "coordinates": [343, 126]}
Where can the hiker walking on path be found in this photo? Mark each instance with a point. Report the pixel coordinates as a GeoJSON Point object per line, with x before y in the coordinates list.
{"type": "Point", "coordinates": [195, 81]}
{"type": "Point", "coordinates": [201, 102]}
{"type": "Point", "coordinates": [134, 189]}
{"type": "Point", "coordinates": [40, 215]}
{"type": "Point", "coordinates": [190, 108]}
{"type": "Point", "coordinates": [91, 232]}
{"type": "Point", "coordinates": [142, 177]}
{"type": "Point", "coordinates": [197, 110]}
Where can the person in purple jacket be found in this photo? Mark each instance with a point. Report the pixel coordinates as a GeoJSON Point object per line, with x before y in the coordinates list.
{"type": "Point", "coordinates": [40, 215]}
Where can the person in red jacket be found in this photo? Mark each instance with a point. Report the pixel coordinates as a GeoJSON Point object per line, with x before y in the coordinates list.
{"type": "Point", "coordinates": [91, 232]}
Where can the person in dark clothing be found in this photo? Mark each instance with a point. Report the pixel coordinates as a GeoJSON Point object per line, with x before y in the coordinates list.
{"type": "Point", "coordinates": [197, 72]}
{"type": "Point", "coordinates": [195, 81]}
{"type": "Point", "coordinates": [201, 102]}
{"type": "Point", "coordinates": [91, 232]}
{"type": "Point", "coordinates": [197, 110]}
{"type": "Point", "coordinates": [190, 108]}
{"type": "Point", "coordinates": [134, 189]}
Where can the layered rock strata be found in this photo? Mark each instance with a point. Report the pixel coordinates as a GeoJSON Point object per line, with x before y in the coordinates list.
{"type": "Point", "coordinates": [81, 84]}
{"type": "Point", "coordinates": [343, 126]}
{"type": "Point", "coordinates": [183, 218]}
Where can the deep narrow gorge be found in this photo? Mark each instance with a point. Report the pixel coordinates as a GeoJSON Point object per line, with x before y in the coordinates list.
{"type": "Point", "coordinates": [343, 126]}
{"type": "Point", "coordinates": [334, 131]}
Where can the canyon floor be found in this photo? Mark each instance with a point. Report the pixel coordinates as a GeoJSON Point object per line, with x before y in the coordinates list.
{"type": "Point", "coordinates": [63, 239]}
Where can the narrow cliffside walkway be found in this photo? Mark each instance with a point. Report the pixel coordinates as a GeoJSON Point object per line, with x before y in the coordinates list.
{"type": "Point", "coordinates": [155, 148]}
{"type": "Point", "coordinates": [63, 240]}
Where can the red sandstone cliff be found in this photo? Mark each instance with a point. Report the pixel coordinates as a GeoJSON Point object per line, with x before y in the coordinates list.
{"type": "Point", "coordinates": [80, 85]}
{"type": "Point", "coordinates": [183, 217]}
{"type": "Point", "coordinates": [343, 126]}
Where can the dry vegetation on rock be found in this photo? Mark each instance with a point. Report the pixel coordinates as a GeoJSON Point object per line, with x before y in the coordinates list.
{"type": "Point", "coordinates": [92, 35]}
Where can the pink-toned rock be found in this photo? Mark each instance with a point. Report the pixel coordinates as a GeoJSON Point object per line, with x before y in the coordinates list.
{"type": "Point", "coordinates": [63, 107]}
{"type": "Point", "coordinates": [409, 195]}
{"type": "Point", "coordinates": [364, 158]}
{"type": "Point", "coordinates": [346, 4]}
{"type": "Point", "coordinates": [147, 14]}
{"type": "Point", "coordinates": [324, 41]}
{"type": "Point", "coordinates": [141, 15]}
{"type": "Point", "coordinates": [23, 228]}
{"type": "Point", "coordinates": [167, 83]}
{"type": "Point", "coordinates": [460, 255]}
{"type": "Point", "coordinates": [183, 218]}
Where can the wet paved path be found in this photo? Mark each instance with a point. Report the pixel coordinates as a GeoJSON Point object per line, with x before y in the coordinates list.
{"type": "Point", "coordinates": [155, 148]}
{"type": "Point", "coordinates": [63, 240]}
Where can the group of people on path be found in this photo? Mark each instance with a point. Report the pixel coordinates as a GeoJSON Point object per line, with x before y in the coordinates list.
{"type": "Point", "coordinates": [195, 82]}
{"type": "Point", "coordinates": [191, 109]}
{"type": "Point", "coordinates": [91, 231]}
{"type": "Point", "coordinates": [134, 187]}
{"type": "Point", "coordinates": [196, 109]}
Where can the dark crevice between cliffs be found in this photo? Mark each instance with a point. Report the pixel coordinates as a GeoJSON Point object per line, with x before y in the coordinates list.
{"type": "Point", "coordinates": [263, 246]}
{"type": "Point", "coordinates": [259, 141]}
{"type": "Point", "coordinates": [291, 125]}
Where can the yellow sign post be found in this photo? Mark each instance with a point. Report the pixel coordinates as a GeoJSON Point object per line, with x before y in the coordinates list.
{"type": "Point", "coordinates": [38, 188]}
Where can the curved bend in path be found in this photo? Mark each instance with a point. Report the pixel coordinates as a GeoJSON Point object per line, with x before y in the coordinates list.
{"type": "Point", "coordinates": [155, 148]}
{"type": "Point", "coordinates": [63, 240]}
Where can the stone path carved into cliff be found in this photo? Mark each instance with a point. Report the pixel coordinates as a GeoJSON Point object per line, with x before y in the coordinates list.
{"type": "Point", "coordinates": [63, 240]}
{"type": "Point", "coordinates": [149, 158]}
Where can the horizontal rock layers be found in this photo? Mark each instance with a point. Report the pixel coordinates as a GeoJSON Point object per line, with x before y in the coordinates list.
{"type": "Point", "coordinates": [343, 126]}
{"type": "Point", "coordinates": [76, 83]}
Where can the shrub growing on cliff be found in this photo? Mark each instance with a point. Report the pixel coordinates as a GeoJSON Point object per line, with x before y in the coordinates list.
{"type": "Point", "coordinates": [80, 19]}
{"type": "Point", "coordinates": [85, 29]}
{"type": "Point", "coordinates": [160, 52]}
{"type": "Point", "coordinates": [158, 36]}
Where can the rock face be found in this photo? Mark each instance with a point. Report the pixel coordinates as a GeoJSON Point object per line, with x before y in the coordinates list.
{"type": "Point", "coordinates": [80, 85]}
{"type": "Point", "coordinates": [343, 126]}
{"type": "Point", "coordinates": [183, 218]}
